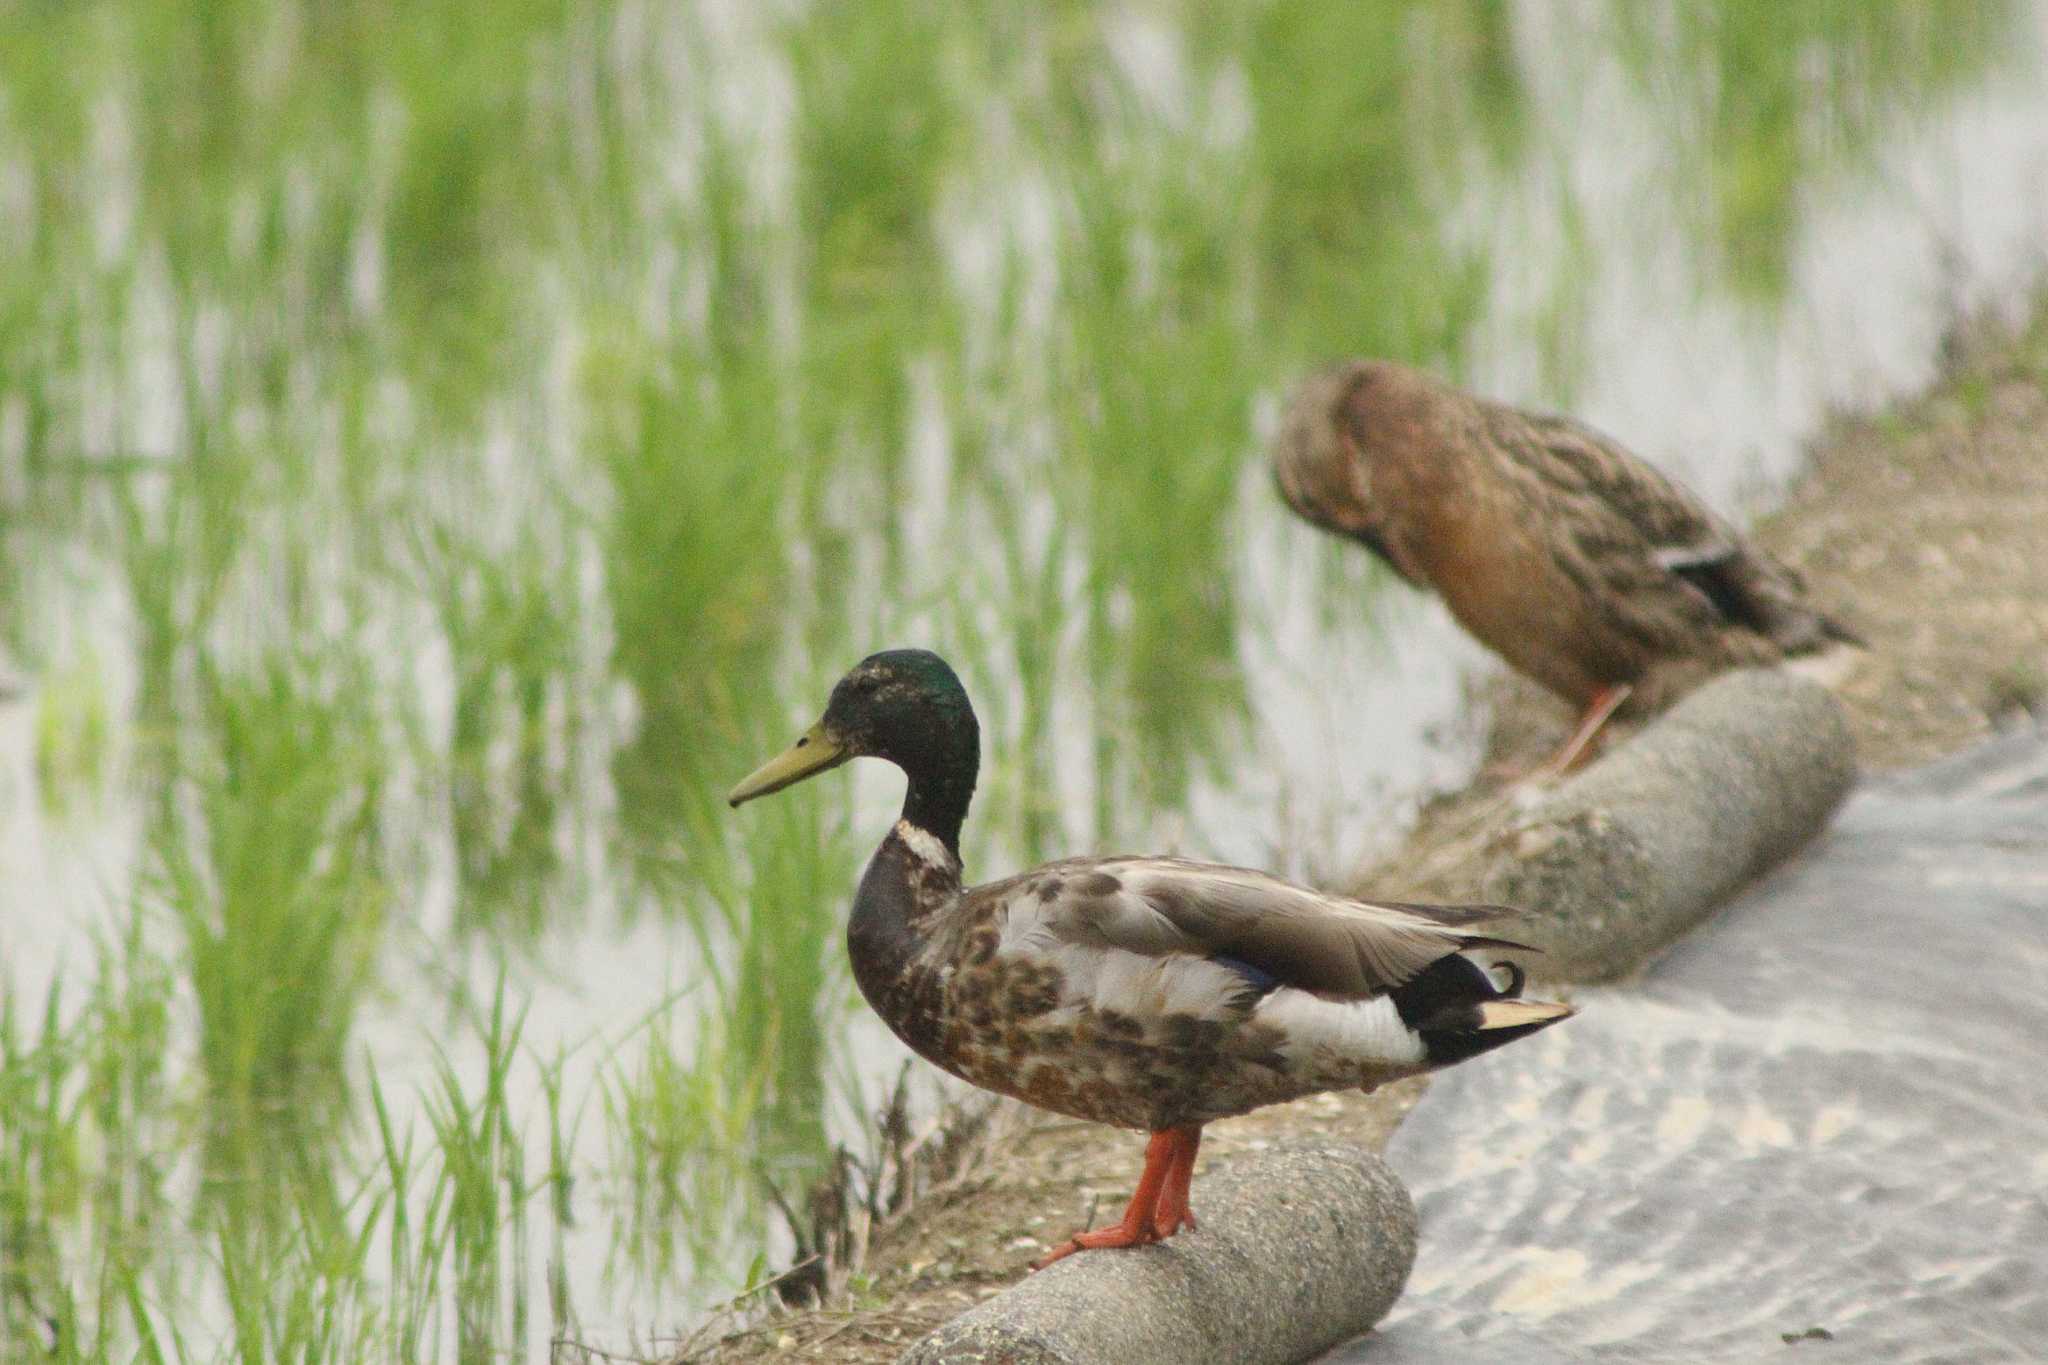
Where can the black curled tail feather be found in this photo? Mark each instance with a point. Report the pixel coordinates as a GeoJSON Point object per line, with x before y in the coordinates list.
{"type": "Point", "coordinates": [1448, 993]}
{"type": "Point", "coordinates": [1458, 1011]}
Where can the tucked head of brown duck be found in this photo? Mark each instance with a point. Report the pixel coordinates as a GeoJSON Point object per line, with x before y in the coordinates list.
{"type": "Point", "coordinates": [1342, 426]}
{"type": "Point", "coordinates": [903, 705]}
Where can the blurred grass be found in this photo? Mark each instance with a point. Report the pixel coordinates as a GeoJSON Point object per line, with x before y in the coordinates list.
{"type": "Point", "coordinates": [274, 880]}
{"type": "Point", "coordinates": [1820, 85]}
{"type": "Point", "coordinates": [514, 739]}
{"type": "Point", "coordinates": [498, 427]}
{"type": "Point", "coordinates": [87, 1145]}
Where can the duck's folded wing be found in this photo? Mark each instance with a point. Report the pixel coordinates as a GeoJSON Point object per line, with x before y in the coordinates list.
{"type": "Point", "coordinates": [1618, 497]}
{"type": "Point", "coordinates": [1302, 938]}
{"type": "Point", "coordinates": [1752, 589]}
{"type": "Point", "coordinates": [1663, 559]}
{"type": "Point", "coordinates": [1728, 577]}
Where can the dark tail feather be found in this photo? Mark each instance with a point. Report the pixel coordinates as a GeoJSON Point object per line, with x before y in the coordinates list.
{"type": "Point", "coordinates": [1458, 1011]}
{"type": "Point", "coordinates": [1500, 1022]}
{"type": "Point", "coordinates": [1757, 592]}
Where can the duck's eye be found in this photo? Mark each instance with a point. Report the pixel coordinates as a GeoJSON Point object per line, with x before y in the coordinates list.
{"type": "Point", "coordinates": [802, 740]}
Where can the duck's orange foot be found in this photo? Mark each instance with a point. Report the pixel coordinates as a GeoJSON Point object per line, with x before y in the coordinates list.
{"type": "Point", "coordinates": [1157, 1210]}
{"type": "Point", "coordinates": [1172, 1220]}
{"type": "Point", "coordinates": [1603, 705]}
{"type": "Point", "coordinates": [1119, 1235]}
{"type": "Point", "coordinates": [1172, 1213]}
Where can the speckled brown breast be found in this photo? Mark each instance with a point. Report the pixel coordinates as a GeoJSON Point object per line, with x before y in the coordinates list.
{"type": "Point", "coordinates": [935, 967]}
{"type": "Point", "coordinates": [1005, 1029]}
{"type": "Point", "coordinates": [1504, 587]}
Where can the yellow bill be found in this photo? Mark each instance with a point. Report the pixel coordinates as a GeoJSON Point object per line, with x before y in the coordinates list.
{"type": "Point", "coordinates": [812, 754]}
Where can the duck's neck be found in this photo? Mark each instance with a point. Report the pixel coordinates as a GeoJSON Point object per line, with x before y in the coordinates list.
{"type": "Point", "coordinates": [928, 832]}
{"type": "Point", "coordinates": [936, 800]}
{"type": "Point", "coordinates": [915, 875]}
{"type": "Point", "coordinates": [911, 882]}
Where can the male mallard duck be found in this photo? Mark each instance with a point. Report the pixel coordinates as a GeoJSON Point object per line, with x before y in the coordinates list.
{"type": "Point", "coordinates": [1568, 556]}
{"type": "Point", "coordinates": [1150, 993]}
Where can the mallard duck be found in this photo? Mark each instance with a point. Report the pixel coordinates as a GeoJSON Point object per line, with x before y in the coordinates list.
{"type": "Point", "coordinates": [1572, 559]}
{"type": "Point", "coordinates": [1149, 993]}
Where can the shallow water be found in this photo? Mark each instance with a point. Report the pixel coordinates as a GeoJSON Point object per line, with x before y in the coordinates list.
{"type": "Point", "coordinates": [1815, 1123]}
{"type": "Point", "coordinates": [533, 416]}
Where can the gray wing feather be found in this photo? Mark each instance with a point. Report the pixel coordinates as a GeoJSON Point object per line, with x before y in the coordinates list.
{"type": "Point", "coordinates": [1655, 537]}
{"type": "Point", "coordinates": [1304, 938]}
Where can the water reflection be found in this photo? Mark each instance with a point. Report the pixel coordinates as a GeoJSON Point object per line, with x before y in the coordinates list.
{"type": "Point", "coordinates": [1804, 94]}
{"type": "Point", "coordinates": [456, 446]}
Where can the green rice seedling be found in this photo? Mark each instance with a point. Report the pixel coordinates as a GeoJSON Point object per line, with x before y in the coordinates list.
{"type": "Point", "coordinates": [1349, 247]}
{"type": "Point", "coordinates": [778, 1002]}
{"type": "Point", "coordinates": [1772, 98]}
{"type": "Point", "coordinates": [125, 1041]}
{"type": "Point", "coordinates": [698, 561]}
{"type": "Point", "coordinates": [560, 1183]}
{"type": "Point", "coordinates": [270, 867]}
{"type": "Point", "coordinates": [877, 124]}
{"type": "Point", "coordinates": [415, 1242]}
{"type": "Point", "coordinates": [294, 1281]}
{"type": "Point", "coordinates": [42, 1183]}
{"type": "Point", "coordinates": [1469, 52]}
{"type": "Point", "coordinates": [681, 1125]}
{"type": "Point", "coordinates": [512, 640]}
{"type": "Point", "coordinates": [763, 907]}
{"type": "Point", "coordinates": [72, 734]}
{"type": "Point", "coordinates": [170, 603]}
{"type": "Point", "coordinates": [473, 162]}
{"type": "Point", "coordinates": [179, 533]}
{"type": "Point", "coordinates": [1153, 385]}
{"type": "Point", "coordinates": [692, 449]}
{"type": "Point", "coordinates": [482, 1166]}
{"type": "Point", "coordinates": [1023, 790]}
{"type": "Point", "coordinates": [85, 1150]}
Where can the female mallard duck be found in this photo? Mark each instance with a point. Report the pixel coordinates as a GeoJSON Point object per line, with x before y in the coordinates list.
{"type": "Point", "coordinates": [1569, 557]}
{"type": "Point", "coordinates": [1149, 993]}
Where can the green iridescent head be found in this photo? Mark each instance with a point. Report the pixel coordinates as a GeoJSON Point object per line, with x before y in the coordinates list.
{"type": "Point", "coordinates": [903, 705]}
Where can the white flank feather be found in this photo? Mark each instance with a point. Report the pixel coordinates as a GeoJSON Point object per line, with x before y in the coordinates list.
{"type": "Point", "coordinates": [1358, 1030]}
{"type": "Point", "coordinates": [1144, 987]}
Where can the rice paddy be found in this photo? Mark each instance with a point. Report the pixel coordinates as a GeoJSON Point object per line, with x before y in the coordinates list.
{"type": "Point", "coordinates": [442, 447]}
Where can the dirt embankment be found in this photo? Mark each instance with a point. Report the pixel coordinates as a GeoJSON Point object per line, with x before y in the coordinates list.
{"type": "Point", "coordinates": [1926, 527]}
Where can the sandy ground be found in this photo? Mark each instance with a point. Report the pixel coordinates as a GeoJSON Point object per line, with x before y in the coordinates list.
{"type": "Point", "coordinates": [1925, 527]}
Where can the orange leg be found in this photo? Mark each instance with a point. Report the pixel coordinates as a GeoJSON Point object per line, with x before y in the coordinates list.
{"type": "Point", "coordinates": [1140, 1224]}
{"type": "Point", "coordinates": [1605, 703]}
{"type": "Point", "coordinates": [1173, 1213]}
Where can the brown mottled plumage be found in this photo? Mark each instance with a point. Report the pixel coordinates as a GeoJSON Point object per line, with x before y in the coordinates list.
{"type": "Point", "coordinates": [1151, 993]}
{"type": "Point", "coordinates": [1578, 563]}
{"type": "Point", "coordinates": [1090, 987]}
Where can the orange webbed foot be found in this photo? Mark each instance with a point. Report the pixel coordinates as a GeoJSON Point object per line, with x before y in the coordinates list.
{"type": "Point", "coordinates": [1157, 1210]}
{"type": "Point", "coordinates": [1173, 1213]}
{"type": "Point", "coordinates": [1603, 705]}
{"type": "Point", "coordinates": [1117, 1235]}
